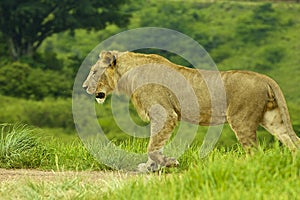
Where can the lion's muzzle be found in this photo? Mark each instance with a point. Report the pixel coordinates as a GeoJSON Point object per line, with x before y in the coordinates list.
{"type": "Point", "coordinates": [100, 95]}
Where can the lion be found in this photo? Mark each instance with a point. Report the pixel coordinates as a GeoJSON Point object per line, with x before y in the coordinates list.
{"type": "Point", "coordinates": [250, 99]}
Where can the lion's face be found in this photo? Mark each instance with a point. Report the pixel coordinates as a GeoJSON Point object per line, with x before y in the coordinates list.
{"type": "Point", "coordinates": [100, 80]}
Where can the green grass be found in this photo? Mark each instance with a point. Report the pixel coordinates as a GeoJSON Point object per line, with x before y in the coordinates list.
{"type": "Point", "coordinates": [270, 173]}
{"type": "Point", "coordinates": [24, 147]}
{"type": "Point", "coordinates": [227, 173]}
{"type": "Point", "coordinates": [19, 147]}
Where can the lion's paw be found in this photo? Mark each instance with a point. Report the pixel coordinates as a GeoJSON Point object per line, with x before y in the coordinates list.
{"type": "Point", "coordinates": [148, 167]}
{"type": "Point", "coordinates": [152, 166]}
{"type": "Point", "coordinates": [171, 162]}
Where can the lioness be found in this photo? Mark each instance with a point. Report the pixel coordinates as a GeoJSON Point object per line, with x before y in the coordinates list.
{"type": "Point", "coordinates": [252, 99]}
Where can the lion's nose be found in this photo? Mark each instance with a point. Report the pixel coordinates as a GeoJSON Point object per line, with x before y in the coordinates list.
{"type": "Point", "coordinates": [100, 95]}
{"type": "Point", "coordinates": [85, 87]}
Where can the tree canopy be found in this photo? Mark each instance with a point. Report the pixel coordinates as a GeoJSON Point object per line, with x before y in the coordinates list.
{"type": "Point", "coordinates": [26, 23]}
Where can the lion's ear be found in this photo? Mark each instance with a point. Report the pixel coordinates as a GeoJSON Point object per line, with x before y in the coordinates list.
{"type": "Point", "coordinates": [109, 57]}
{"type": "Point", "coordinates": [102, 54]}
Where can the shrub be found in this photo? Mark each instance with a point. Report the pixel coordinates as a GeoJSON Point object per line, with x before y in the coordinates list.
{"type": "Point", "coordinates": [269, 58]}
{"type": "Point", "coordinates": [20, 80]}
{"type": "Point", "coordinates": [52, 113]}
{"type": "Point", "coordinates": [256, 27]}
{"type": "Point", "coordinates": [13, 79]}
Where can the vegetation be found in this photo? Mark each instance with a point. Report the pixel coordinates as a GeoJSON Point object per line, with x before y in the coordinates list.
{"type": "Point", "coordinates": [38, 66]}
{"type": "Point", "coordinates": [252, 36]}
{"type": "Point", "coordinates": [225, 173]}
{"type": "Point", "coordinates": [25, 147]}
{"type": "Point", "coordinates": [26, 24]}
{"type": "Point", "coordinates": [19, 147]}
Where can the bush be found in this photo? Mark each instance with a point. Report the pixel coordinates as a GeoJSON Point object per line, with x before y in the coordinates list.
{"type": "Point", "coordinates": [269, 58]}
{"type": "Point", "coordinates": [19, 80]}
{"type": "Point", "coordinates": [47, 113]}
{"type": "Point", "coordinates": [13, 79]}
{"type": "Point", "coordinates": [50, 113]}
{"type": "Point", "coordinates": [256, 27]}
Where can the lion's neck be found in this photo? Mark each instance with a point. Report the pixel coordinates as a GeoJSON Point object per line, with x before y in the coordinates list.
{"type": "Point", "coordinates": [130, 60]}
{"type": "Point", "coordinates": [133, 69]}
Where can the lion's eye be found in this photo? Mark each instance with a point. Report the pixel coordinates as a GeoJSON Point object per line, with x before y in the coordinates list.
{"type": "Point", "coordinates": [94, 72]}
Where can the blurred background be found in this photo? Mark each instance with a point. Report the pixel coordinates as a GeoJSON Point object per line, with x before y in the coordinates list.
{"type": "Point", "coordinates": [44, 42]}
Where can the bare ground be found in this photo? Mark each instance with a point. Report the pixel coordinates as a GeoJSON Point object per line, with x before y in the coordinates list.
{"type": "Point", "coordinates": [12, 175]}
{"type": "Point", "coordinates": [32, 183]}
{"type": "Point", "coordinates": [37, 184]}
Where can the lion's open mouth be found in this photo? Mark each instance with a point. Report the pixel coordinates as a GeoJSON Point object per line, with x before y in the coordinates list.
{"type": "Point", "coordinates": [100, 95]}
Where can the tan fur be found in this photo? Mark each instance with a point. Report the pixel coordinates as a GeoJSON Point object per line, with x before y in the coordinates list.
{"type": "Point", "coordinates": [252, 99]}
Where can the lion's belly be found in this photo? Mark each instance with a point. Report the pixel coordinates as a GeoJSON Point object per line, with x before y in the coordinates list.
{"type": "Point", "coordinates": [211, 98]}
{"type": "Point", "coordinates": [207, 117]}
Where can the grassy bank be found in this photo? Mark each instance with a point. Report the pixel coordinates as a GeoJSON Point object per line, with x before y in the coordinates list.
{"type": "Point", "coordinates": [25, 147]}
{"type": "Point", "coordinates": [272, 172]}
{"type": "Point", "coordinates": [269, 174]}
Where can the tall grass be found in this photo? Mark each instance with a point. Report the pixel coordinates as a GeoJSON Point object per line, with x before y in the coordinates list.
{"type": "Point", "coordinates": [24, 147]}
{"type": "Point", "coordinates": [19, 147]}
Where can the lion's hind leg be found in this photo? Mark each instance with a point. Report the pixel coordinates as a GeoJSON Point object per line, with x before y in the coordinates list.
{"type": "Point", "coordinates": [244, 124]}
{"type": "Point", "coordinates": [274, 124]}
{"type": "Point", "coordinates": [246, 136]}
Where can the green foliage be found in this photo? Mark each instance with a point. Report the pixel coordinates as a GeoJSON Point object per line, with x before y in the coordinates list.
{"type": "Point", "coordinates": [51, 113]}
{"type": "Point", "coordinates": [223, 28]}
{"type": "Point", "coordinates": [25, 24]}
{"type": "Point", "coordinates": [269, 57]}
{"type": "Point", "coordinates": [13, 78]}
{"type": "Point", "coordinates": [4, 52]}
{"type": "Point", "coordinates": [256, 27]}
{"type": "Point", "coordinates": [48, 61]}
{"type": "Point", "coordinates": [20, 80]}
{"type": "Point", "coordinates": [47, 113]}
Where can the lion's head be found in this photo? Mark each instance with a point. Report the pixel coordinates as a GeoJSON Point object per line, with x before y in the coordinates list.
{"type": "Point", "coordinates": [100, 80]}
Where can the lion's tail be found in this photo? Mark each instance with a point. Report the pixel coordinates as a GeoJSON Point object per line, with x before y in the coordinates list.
{"type": "Point", "coordinates": [281, 102]}
{"type": "Point", "coordinates": [289, 138]}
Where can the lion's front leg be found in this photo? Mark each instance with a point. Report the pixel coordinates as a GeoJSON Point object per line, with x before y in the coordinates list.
{"type": "Point", "coordinates": [162, 125]}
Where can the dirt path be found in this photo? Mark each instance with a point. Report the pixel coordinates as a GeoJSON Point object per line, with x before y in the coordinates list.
{"type": "Point", "coordinates": [12, 175]}
{"type": "Point", "coordinates": [36, 184]}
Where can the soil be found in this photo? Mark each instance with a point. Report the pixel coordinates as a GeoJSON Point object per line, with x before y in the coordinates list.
{"type": "Point", "coordinates": [12, 175]}
{"type": "Point", "coordinates": [29, 183]}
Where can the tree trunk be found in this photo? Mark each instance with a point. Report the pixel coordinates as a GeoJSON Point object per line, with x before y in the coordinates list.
{"type": "Point", "coordinates": [17, 50]}
{"type": "Point", "coordinates": [12, 49]}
